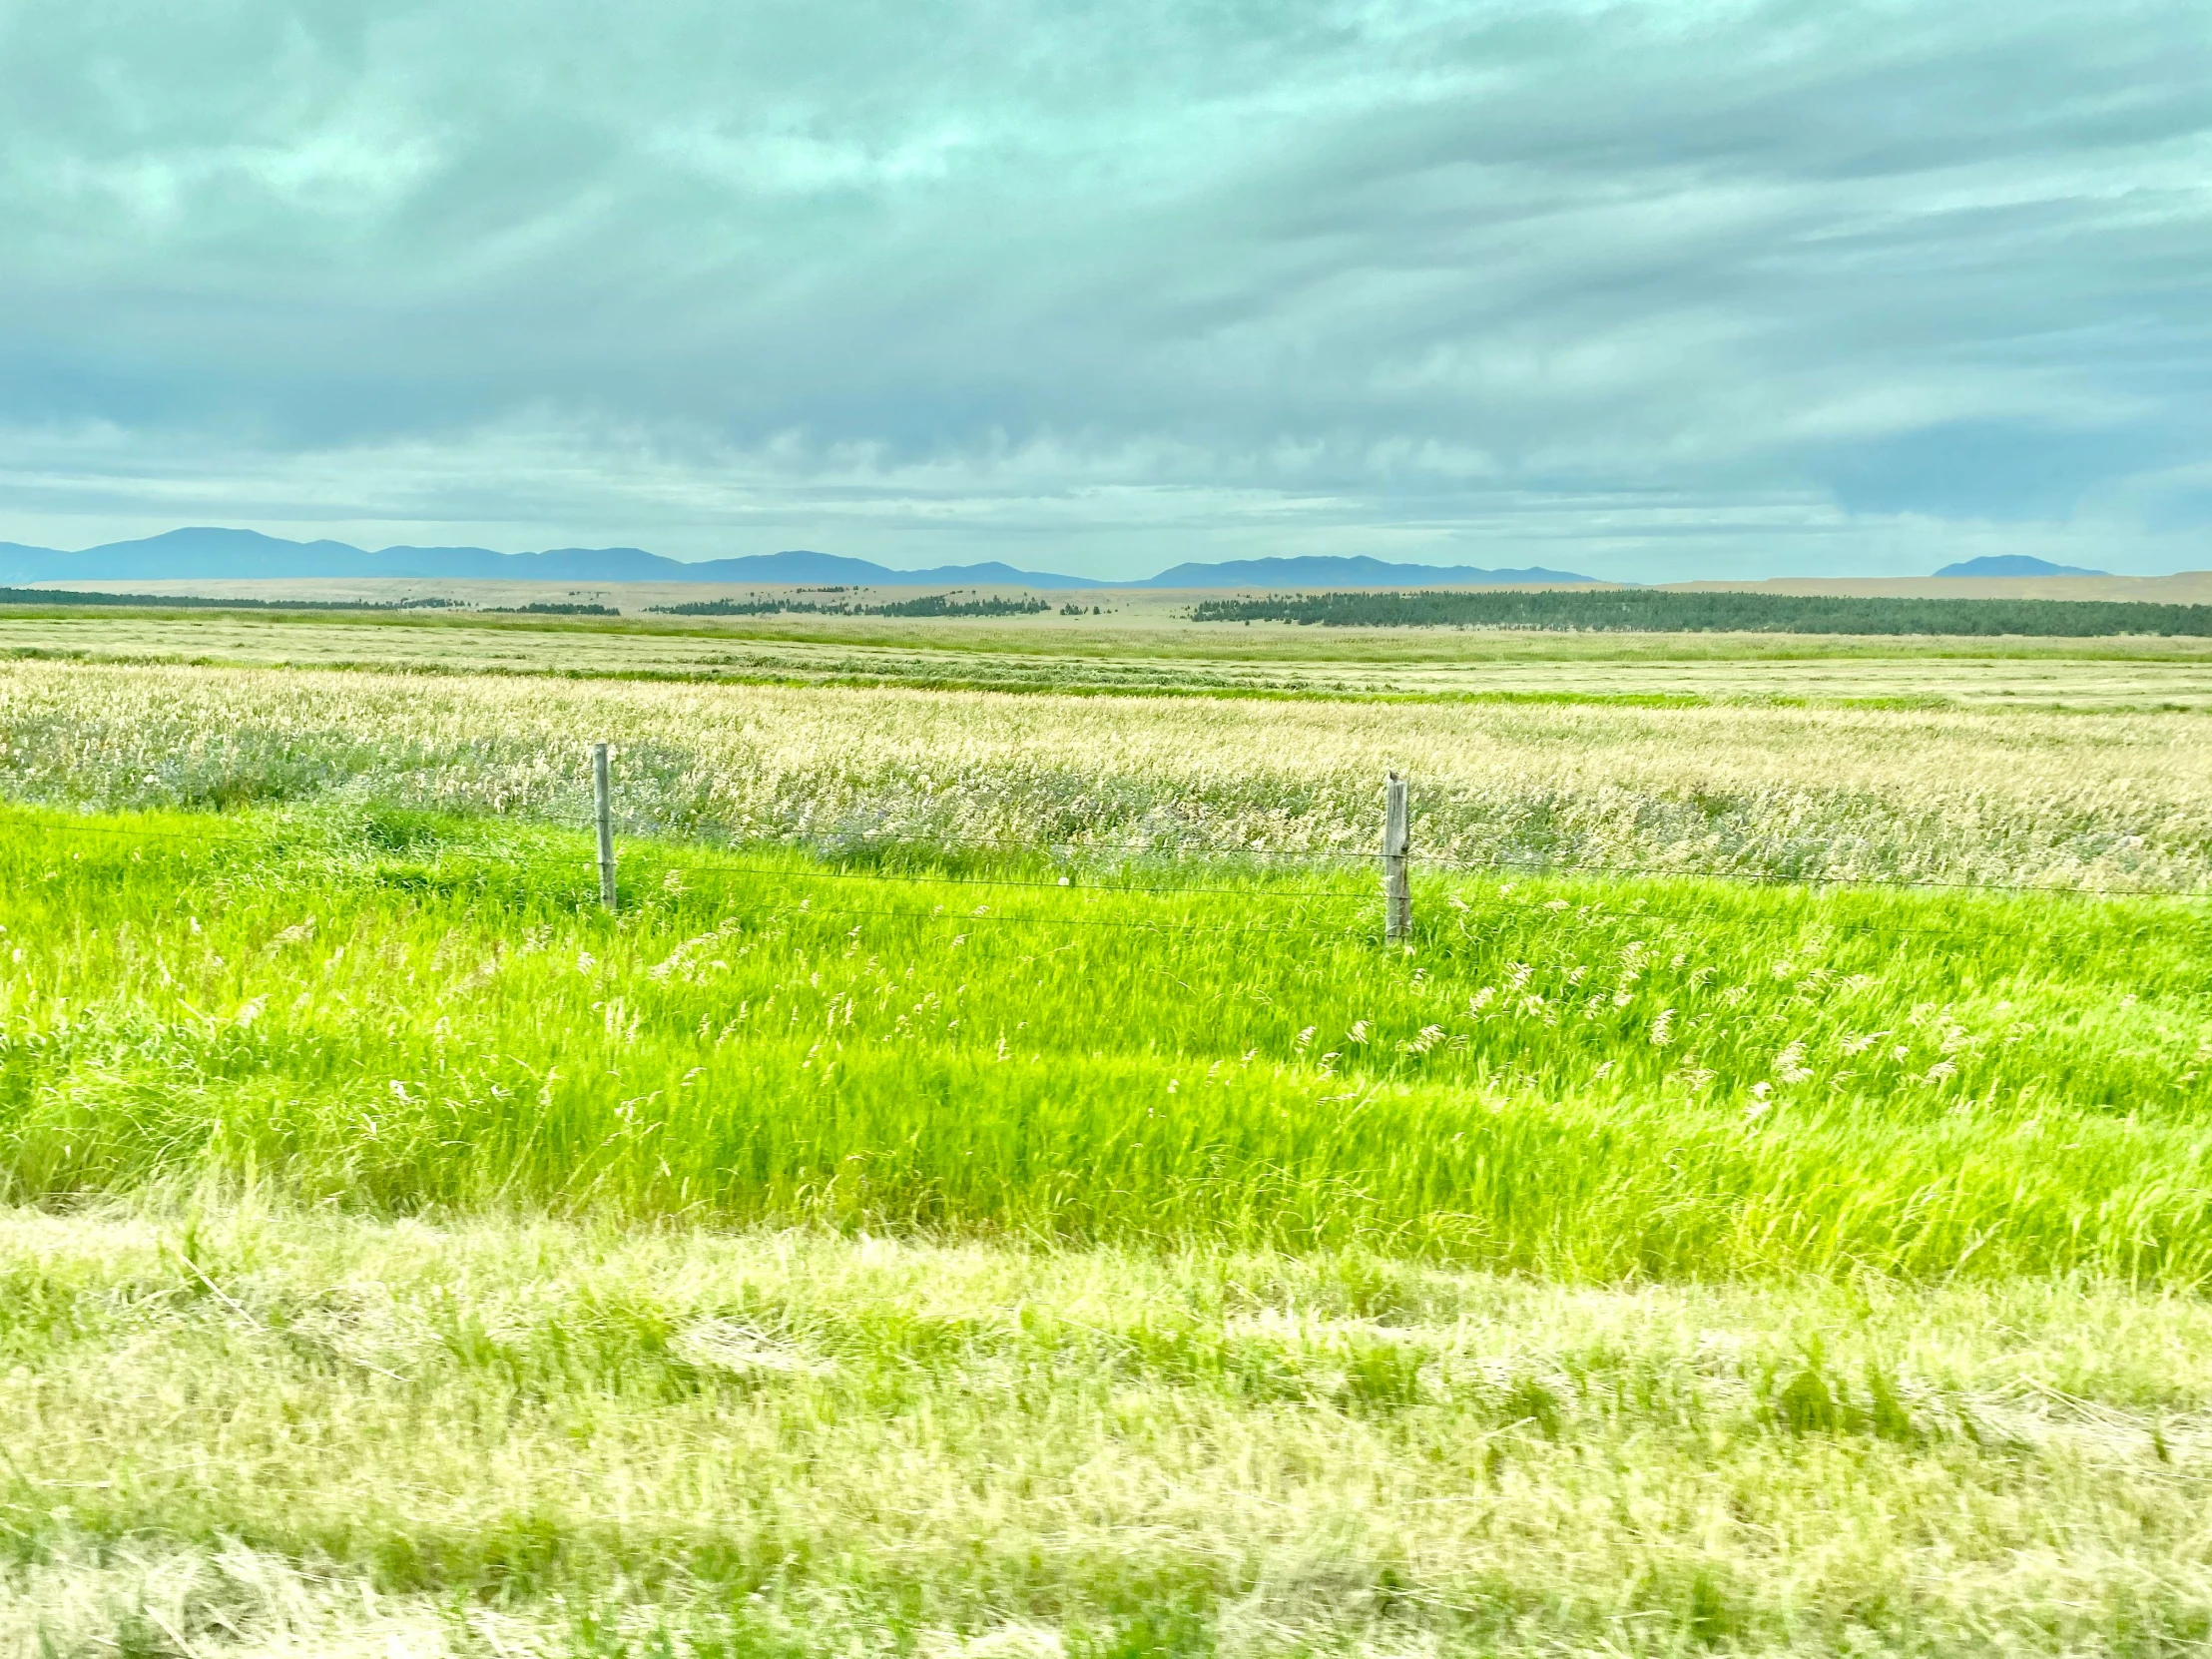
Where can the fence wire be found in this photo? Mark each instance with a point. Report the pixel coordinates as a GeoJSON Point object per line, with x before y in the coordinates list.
{"type": "Point", "coordinates": [716, 880]}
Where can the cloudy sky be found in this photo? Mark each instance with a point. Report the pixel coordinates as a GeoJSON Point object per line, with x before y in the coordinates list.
{"type": "Point", "coordinates": [1645, 291]}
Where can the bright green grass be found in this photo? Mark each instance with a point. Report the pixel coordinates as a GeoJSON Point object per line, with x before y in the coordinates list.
{"type": "Point", "coordinates": [1590, 1079]}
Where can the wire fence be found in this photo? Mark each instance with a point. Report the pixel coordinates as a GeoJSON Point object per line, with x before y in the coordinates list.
{"type": "Point", "coordinates": [1322, 858]}
{"type": "Point", "coordinates": [1096, 877]}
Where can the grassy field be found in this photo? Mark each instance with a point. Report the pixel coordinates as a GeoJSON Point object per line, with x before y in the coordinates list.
{"type": "Point", "coordinates": [1154, 652]}
{"type": "Point", "coordinates": [998, 1194]}
{"type": "Point", "coordinates": [2189, 587]}
{"type": "Point", "coordinates": [1578, 1079]}
{"type": "Point", "coordinates": [2104, 801]}
{"type": "Point", "coordinates": [261, 1430]}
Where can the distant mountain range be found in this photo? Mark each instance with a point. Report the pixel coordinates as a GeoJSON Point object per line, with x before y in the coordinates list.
{"type": "Point", "coordinates": [212, 554]}
{"type": "Point", "coordinates": [2016, 564]}
{"type": "Point", "coordinates": [1321, 572]}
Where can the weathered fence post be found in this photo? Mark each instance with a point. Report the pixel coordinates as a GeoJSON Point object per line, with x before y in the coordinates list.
{"type": "Point", "coordinates": [1398, 838]}
{"type": "Point", "coordinates": [603, 810]}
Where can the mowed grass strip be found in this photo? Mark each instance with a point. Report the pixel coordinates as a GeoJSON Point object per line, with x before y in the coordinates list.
{"type": "Point", "coordinates": [1590, 1079]}
{"type": "Point", "coordinates": [256, 1430]}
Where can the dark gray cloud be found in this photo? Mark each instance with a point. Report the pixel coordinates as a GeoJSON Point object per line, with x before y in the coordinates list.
{"type": "Point", "coordinates": [1647, 289]}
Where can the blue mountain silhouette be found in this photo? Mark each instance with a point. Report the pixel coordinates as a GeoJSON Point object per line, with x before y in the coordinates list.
{"type": "Point", "coordinates": [206, 553]}
{"type": "Point", "coordinates": [2014, 564]}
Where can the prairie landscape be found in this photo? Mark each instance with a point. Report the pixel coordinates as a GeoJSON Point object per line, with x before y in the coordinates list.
{"type": "Point", "coordinates": [1577, 779]}
{"type": "Point", "coordinates": [990, 1187]}
{"type": "Point", "coordinates": [1043, 831]}
{"type": "Point", "coordinates": [1149, 644]}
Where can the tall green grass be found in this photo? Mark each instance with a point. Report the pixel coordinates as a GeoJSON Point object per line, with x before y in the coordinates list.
{"type": "Point", "coordinates": [1585, 1078]}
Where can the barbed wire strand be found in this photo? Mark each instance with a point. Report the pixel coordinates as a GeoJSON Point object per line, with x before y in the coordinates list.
{"type": "Point", "coordinates": [1884, 928]}
{"type": "Point", "coordinates": [1811, 885]}
{"type": "Point", "coordinates": [646, 829]}
{"type": "Point", "coordinates": [1868, 926]}
{"type": "Point", "coordinates": [1423, 861]}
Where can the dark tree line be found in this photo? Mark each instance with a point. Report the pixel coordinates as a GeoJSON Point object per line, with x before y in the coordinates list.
{"type": "Point", "coordinates": [934, 604]}
{"type": "Point", "coordinates": [1643, 610]}
{"type": "Point", "coordinates": [200, 602]}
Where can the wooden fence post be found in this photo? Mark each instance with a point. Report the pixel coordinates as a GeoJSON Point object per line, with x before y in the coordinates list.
{"type": "Point", "coordinates": [1397, 839]}
{"type": "Point", "coordinates": [603, 809]}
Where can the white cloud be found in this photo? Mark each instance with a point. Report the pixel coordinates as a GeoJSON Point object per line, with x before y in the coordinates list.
{"type": "Point", "coordinates": [1638, 285]}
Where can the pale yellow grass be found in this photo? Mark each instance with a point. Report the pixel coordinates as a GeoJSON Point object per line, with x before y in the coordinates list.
{"type": "Point", "coordinates": [2106, 800]}
{"type": "Point", "coordinates": [258, 1432]}
{"type": "Point", "coordinates": [1156, 654]}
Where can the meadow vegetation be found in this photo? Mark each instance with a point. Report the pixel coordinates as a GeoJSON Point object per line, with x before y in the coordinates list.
{"type": "Point", "coordinates": [1570, 1078]}
{"type": "Point", "coordinates": [1131, 649]}
{"type": "Point", "coordinates": [991, 1191]}
{"type": "Point", "coordinates": [1774, 792]}
{"type": "Point", "coordinates": [256, 1430]}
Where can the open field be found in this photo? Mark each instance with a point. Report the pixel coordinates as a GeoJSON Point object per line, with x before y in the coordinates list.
{"type": "Point", "coordinates": [2189, 587]}
{"type": "Point", "coordinates": [1577, 1079]}
{"type": "Point", "coordinates": [991, 1191]}
{"type": "Point", "coordinates": [2085, 799]}
{"type": "Point", "coordinates": [1100, 1284]}
{"type": "Point", "coordinates": [1157, 655]}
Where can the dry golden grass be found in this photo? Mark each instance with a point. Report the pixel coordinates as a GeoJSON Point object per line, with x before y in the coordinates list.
{"type": "Point", "coordinates": [1948, 794]}
{"type": "Point", "coordinates": [1149, 651]}
{"type": "Point", "coordinates": [253, 1431]}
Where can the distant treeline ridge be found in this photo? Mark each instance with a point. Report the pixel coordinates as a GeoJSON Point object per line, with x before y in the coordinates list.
{"type": "Point", "coordinates": [1652, 611]}
{"type": "Point", "coordinates": [935, 604]}
{"type": "Point", "coordinates": [200, 602]}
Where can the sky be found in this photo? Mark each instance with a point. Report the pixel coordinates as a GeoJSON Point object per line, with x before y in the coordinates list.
{"type": "Point", "coordinates": [1648, 291]}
